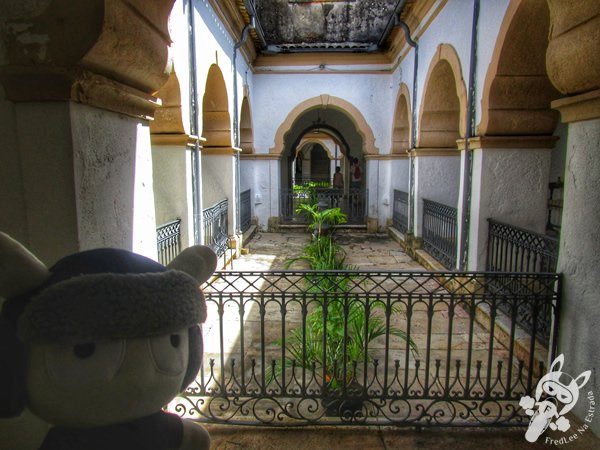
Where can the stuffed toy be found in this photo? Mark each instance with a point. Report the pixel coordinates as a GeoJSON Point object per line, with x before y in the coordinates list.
{"type": "Point", "coordinates": [100, 342]}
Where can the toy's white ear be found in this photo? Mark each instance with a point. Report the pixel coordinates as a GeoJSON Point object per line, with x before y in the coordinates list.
{"type": "Point", "coordinates": [198, 261]}
{"type": "Point", "coordinates": [20, 270]}
{"type": "Point", "coordinates": [559, 361]}
{"type": "Point", "coordinates": [583, 378]}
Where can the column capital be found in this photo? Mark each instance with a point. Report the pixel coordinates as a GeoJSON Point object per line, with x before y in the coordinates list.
{"type": "Point", "coordinates": [508, 142]}
{"type": "Point", "coordinates": [111, 54]}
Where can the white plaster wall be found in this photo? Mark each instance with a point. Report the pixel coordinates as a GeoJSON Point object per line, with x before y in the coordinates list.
{"type": "Point", "coordinates": [381, 195]}
{"type": "Point", "coordinates": [218, 184]}
{"type": "Point", "coordinates": [437, 179]}
{"type": "Point", "coordinates": [113, 180]}
{"type": "Point", "coordinates": [262, 177]}
{"type": "Point", "coordinates": [171, 187]}
{"type": "Point", "coordinates": [44, 198]}
{"type": "Point", "coordinates": [276, 95]}
{"type": "Point", "coordinates": [579, 260]}
{"type": "Point", "coordinates": [13, 219]}
{"type": "Point", "coordinates": [509, 185]}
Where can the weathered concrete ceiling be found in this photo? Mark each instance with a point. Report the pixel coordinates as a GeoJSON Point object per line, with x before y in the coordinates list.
{"type": "Point", "coordinates": [295, 25]}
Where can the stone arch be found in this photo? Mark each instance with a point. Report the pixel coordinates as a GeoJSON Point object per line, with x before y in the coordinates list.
{"type": "Point", "coordinates": [216, 121]}
{"type": "Point", "coordinates": [402, 122]}
{"type": "Point", "coordinates": [517, 92]}
{"type": "Point", "coordinates": [246, 133]}
{"type": "Point", "coordinates": [168, 117]}
{"type": "Point", "coordinates": [363, 128]}
{"type": "Point", "coordinates": [322, 142]}
{"type": "Point", "coordinates": [444, 102]}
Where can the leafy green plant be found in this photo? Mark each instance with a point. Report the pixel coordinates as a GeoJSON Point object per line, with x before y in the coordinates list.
{"type": "Point", "coordinates": [339, 328]}
{"type": "Point", "coordinates": [319, 217]}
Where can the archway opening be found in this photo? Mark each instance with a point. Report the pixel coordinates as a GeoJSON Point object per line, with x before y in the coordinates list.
{"type": "Point", "coordinates": [246, 133]}
{"type": "Point", "coordinates": [320, 140]}
{"type": "Point", "coordinates": [216, 121]}
{"type": "Point", "coordinates": [517, 92]}
{"type": "Point", "coordinates": [401, 141]}
{"type": "Point", "coordinates": [440, 114]}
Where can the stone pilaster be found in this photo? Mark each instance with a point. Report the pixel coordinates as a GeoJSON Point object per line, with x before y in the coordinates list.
{"type": "Point", "coordinates": [574, 68]}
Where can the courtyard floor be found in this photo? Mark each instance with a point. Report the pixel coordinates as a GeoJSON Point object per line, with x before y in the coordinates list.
{"type": "Point", "coordinates": [269, 251]}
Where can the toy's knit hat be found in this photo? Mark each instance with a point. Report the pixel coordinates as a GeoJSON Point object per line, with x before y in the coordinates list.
{"type": "Point", "coordinates": [90, 296]}
{"type": "Point", "coordinates": [112, 293]}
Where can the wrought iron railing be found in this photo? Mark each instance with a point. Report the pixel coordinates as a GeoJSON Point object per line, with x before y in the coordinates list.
{"type": "Point", "coordinates": [400, 211]}
{"type": "Point", "coordinates": [515, 249]}
{"type": "Point", "coordinates": [287, 348]}
{"type": "Point", "coordinates": [245, 210]}
{"type": "Point", "coordinates": [439, 232]}
{"type": "Point", "coordinates": [168, 241]}
{"type": "Point", "coordinates": [353, 203]}
{"type": "Point", "coordinates": [216, 227]}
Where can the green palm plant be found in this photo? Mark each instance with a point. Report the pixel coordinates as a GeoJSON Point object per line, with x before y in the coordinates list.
{"type": "Point", "coordinates": [339, 328]}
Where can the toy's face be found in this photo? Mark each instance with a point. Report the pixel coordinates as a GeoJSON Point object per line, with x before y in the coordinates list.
{"type": "Point", "coordinates": [565, 394]}
{"type": "Point", "coordinates": [102, 383]}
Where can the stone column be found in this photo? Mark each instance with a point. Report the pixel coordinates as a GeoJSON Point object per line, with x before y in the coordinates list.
{"type": "Point", "coordinates": [76, 100]}
{"type": "Point", "coordinates": [574, 69]}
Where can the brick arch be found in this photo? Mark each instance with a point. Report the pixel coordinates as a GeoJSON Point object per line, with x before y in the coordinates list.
{"type": "Point", "coordinates": [402, 122]}
{"type": "Point", "coordinates": [216, 121]}
{"type": "Point", "coordinates": [517, 92]}
{"type": "Point", "coordinates": [444, 102]}
{"type": "Point", "coordinates": [347, 108]}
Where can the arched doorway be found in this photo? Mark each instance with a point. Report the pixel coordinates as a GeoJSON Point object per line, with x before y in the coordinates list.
{"type": "Point", "coordinates": [320, 139]}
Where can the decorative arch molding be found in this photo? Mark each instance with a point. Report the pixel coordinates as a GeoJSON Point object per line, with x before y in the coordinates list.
{"type": "Point", "coordinates": [246, 132]}
{"type": "Point", "coordinates": [324, 100]}
{"type": "Point", "coordinates": [320, 141]}
{"type": "Point", "coordinates": [402, 122]}
{"type": "Point", "coordinates": [168, 117]}
{"type": "Point", "coordinates": [517, 92]}
{"type": "Point", "coordinates": [216, 121]}
{"type": "Point", "coordinates": [444, 103]}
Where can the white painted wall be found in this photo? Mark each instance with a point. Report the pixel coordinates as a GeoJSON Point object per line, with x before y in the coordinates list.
{"type": "Point", "coordinates": [509, 185]}
{"type": "Point", "coordinates": [276, 95]}
{"type": "Point", "coordinates": [172, 187]}
{"type": "Point", "coordinates": [579, 260]}
{"type": "Point", "coordinates": [218, 184]}
{"type": "Point", "coordinates": [437, 179]}
{"type": "Point", "coordinates": [113, 180]}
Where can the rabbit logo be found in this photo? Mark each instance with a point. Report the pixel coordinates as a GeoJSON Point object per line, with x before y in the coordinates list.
{"type": "Point", "coordinates": [556, 394]}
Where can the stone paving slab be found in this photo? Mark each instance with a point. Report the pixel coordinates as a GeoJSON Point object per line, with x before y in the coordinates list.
{"type": "Point", "coordinates": [383, 438]}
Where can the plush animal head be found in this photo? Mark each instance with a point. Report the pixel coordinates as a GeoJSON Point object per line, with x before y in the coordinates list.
{"type": "Point", "coordinates": [104, 336]}
{"type": "Point", "coordinates": [561, 386]}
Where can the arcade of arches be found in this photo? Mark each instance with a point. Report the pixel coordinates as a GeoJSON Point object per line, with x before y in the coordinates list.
{"type": "Point", "coordinates": [115, 119]}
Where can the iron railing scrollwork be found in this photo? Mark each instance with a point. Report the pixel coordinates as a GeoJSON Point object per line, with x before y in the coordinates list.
{"type": "Point", "coordinates": [352, 203]}
{"type": "Point", "coordinates": [245, 210]}
{"type": "Point", "coordinates": [270, 360]}
{"type": "Point", "coordinates": [439, 232]}
{"type": "Point", "coordinates": [168, 241]}
{"type": "Point", "coordinates": [400, 211]}
{"type": "Point", "coordinates": [215, 225]}
{"type": "Point", "coordinates": [512, 248]}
